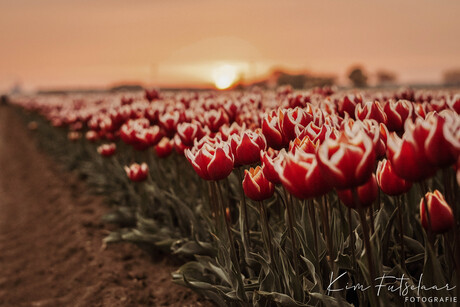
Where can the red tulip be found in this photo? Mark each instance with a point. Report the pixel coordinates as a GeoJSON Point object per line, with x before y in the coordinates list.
{"type": "Point", "coordinates": [349, 161]}
{"type": "Point", "coordinates": [348, 104]}
{"type": "Point", "coordinates": [442, 145]}
{"type": "Point", "coordinates": [268, 159]}
{"type": "Point", "coordinates": [407, 155]}
{"type": "Point", "coordinates": [441, 216]}
{"type": "Point", "coordinates": [214, 119]}
{"type": "Point", "coordinates": [317, 134]}
{"type": "Point", "coordinates": [301, 175]}
{"type": "Point", "coordinates": [92, 136]}
{"type": "Point", "coordinates": [211, 162]}
{"type": "Point", "coordinates": [107, 150]}
{"type": "Point", "coordinates": [272, 131]}
{"type": "Point", "coordinates": [372, 128]}
{"type": "Point", "coordinates": [226, 131]}
{"type": "Point", "coordinates": [232, 108]}
{"type": "Point", "coordinates": [188, 132]}
{"type": "Point", "coordinates": [397, 112]}
{"type": "Point", "coordinates": [143, 138]}
{"type": "Point", "coordinates": [169, 122]}
{"type": "Point", "coordinates": [256, 186]}
{"type": "Point", "coordinates": [292, 118]}
{"type": "Point", "coordinates": [371, 110]}
{"type": "Point", "coordinates": [129, 129]}
{"type": "Point", "coordinates": [305, 145]}
{"type": "Point", "coordinates": [367, 194]}
{"type": "Point", "coordinates": [420, 110]}
{"type": "Point", "coordinates": [389, 182]}
{"type": "Point", "coordinates": [164, 148]}
{"type": "Point", "coordinates": [152, 95]}
{"type": "Point", "coordinates": [454, 103]}
{"type": "Point", "coordinates": [179, 147]}
{"type": "Point", "coordinates": [247, 146]}
{"type": "Point", "coordinates": [136, 172]}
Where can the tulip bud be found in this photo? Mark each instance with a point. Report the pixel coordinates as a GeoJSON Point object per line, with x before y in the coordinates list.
{"type": "Point", "coordinates": [92, 136]}
{"type": "Point", "coordinates": [441, 216]}
{"type": "Point", "coordinates": [256, 186]}
{"type": "Point", "coordinates": [163, 148]}
{"type": "Point", "coordinates": [228, 215]}
{"type": "Point", "coordinates": [136, 172]}
{"type": "Point", "coordinates": [389, 182]}
{"type": "Point", "coordinates": [107, 150]}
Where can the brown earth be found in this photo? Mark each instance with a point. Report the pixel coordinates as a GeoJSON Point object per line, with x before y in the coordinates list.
{"type": "Point", "coordinates": [51, 251]}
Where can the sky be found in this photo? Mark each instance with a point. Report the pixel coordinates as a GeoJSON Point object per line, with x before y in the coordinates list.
{"type": "Point", "coordinates": [87, 43]}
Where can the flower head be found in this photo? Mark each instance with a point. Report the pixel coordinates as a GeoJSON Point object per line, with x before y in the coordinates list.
{"type": "Point", "coordinates": [256, 186]}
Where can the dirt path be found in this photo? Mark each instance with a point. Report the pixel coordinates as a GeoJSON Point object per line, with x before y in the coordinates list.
{"type": "Point", "coordinates": [50, 239]}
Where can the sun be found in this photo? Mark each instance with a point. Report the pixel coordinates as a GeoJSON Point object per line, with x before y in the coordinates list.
{"type": "Point", "coordinates": [224, 76]}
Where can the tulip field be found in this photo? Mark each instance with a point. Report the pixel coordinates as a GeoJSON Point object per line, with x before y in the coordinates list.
{"type": "Point", "coordinates": [275, 198]}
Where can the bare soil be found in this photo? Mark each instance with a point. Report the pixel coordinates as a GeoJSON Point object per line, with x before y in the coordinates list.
{"type": "Point", "coordinates": [51, 251]}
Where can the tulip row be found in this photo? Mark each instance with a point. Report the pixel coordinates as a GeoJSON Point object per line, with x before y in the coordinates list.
{"type": "Point", "coordinates": [295, 187]}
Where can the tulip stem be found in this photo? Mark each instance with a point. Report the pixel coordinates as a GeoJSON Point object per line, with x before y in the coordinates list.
{"type": "Point", "coordinates": [371, 218]}
{"type": "Point", "coordinates": [244, 205]}
{"type": "Point", "coordinates": [352, 239]}
{"type": "Point", "coordinates": [213, 200]}
{"type": "Point", "coordinates": [367, 244]}
{"type": "Point", "coordinates": [311, 207]}
{"type": "Point", "coordinates": [327, 232]}
{"type": "Point", "coordinates": [266, 230]}
{"type": "Point", "coordinates": [291, 233]}
{"type": "Point", "coordinates": [235, 261]}
{"type": "Point", "coordinates": [282, 203]}
{"type": "Point", "coordinates": [401, 231]}
{"type": "Point", "coordinates": [368, 251]}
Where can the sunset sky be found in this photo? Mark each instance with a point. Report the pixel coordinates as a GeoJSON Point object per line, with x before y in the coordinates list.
{"type": "Point", "coordinates": [58, 43]}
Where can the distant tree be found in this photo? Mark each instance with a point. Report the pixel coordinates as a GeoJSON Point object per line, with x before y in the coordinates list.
{"type": "Point", "coordinates": [358, 77]}
{"type": "Point", "coordinates": [296, 81]}
{"type": "Point", "coordinates": [452, 77]}
{"type": "Point", "coordinates": [386, 77]}
{"type": "Point", "coordinates": [318, 81]}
